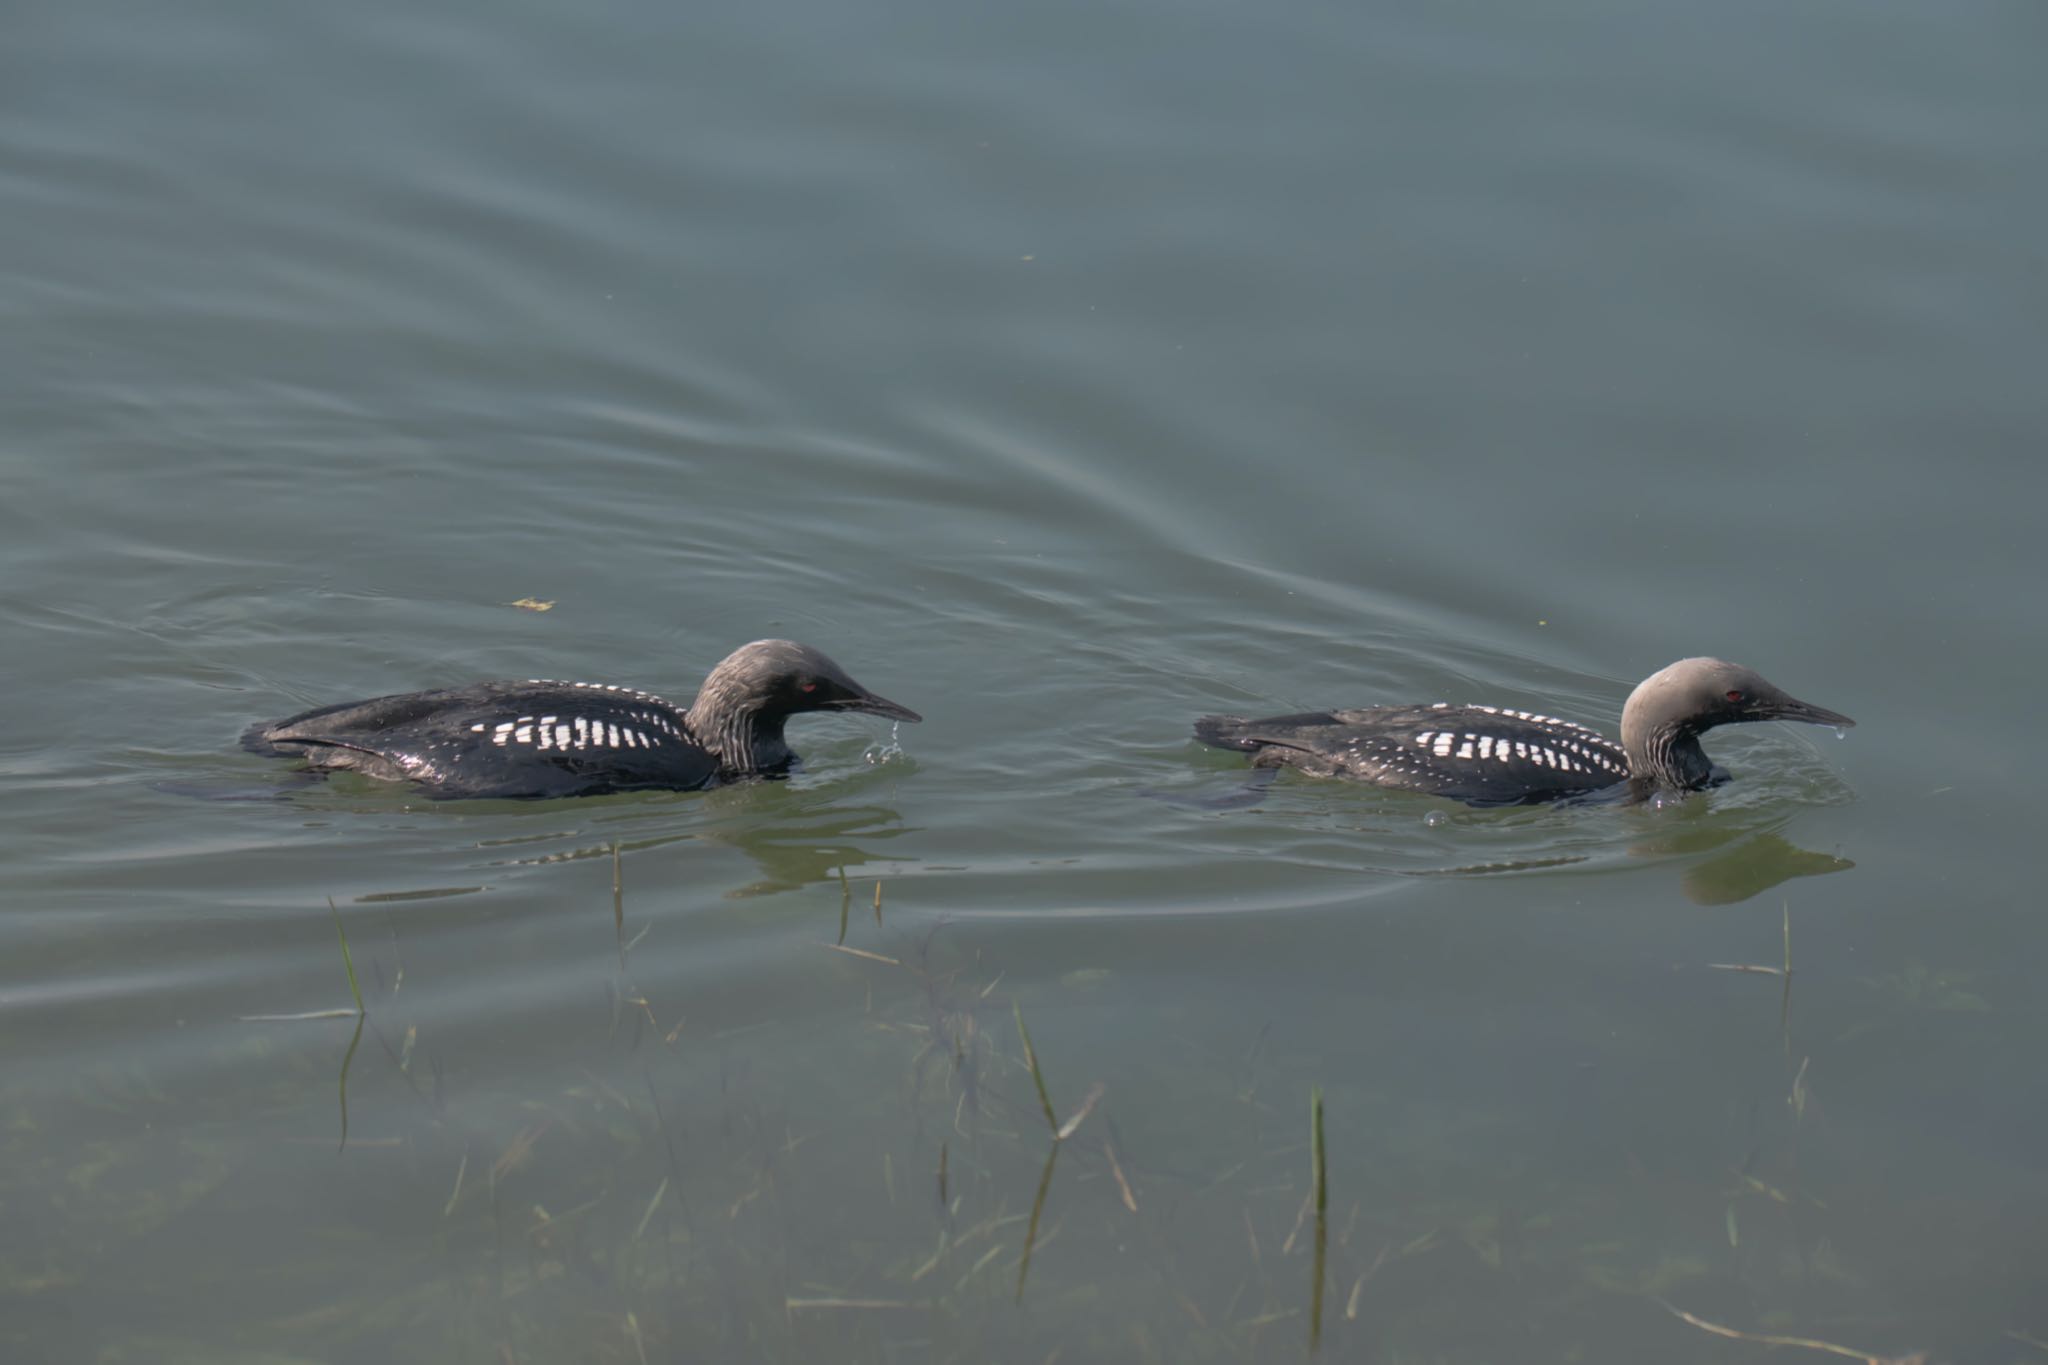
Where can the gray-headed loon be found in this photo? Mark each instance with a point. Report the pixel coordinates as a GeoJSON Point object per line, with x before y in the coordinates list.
{"type": "Point", "coordinates": [542, 738]}
{"type": "Point", "coordinates": [1487, 755]}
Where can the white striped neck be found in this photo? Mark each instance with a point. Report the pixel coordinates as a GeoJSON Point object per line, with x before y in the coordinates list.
{"type": "Point", "coordinates": [1661, 725]}
{"type": "Point", "coordinates": [746, 736]}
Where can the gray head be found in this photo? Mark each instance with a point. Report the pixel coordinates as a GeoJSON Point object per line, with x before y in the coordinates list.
{"type": "Point", "coordinates": [1665, 715]}
{"type": "Point", "coordinates": [741, 707]}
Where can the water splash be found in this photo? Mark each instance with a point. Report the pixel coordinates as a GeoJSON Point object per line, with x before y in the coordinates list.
{"type": "Point", "coordinates": [1436, 819]}
{"type": "Point", "coordinates": [878, 754]}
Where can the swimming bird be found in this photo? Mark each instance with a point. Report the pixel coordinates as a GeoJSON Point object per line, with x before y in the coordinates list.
{"type": "Point", "coordinates": [544, 738]}
{"type": "Point", "coordinates": [1489, 755]}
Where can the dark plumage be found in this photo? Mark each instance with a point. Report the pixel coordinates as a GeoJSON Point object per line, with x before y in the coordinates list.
{"type": "Point", "coordinates": [1486, 755]}
{"type": "Point", "coordinates": [542, 738]}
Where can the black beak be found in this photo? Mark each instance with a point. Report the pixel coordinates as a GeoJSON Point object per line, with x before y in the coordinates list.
{"type": "Point", "coordinates": [1791, 708]}
{"type": "Point", "coordinates": [869, 704]}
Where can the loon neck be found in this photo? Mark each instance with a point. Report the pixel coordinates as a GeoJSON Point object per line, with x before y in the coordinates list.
{"type": "Point", "coordinates": [746, 737]}
{"type": "Point", "coordinates": [1660, 732]}
{"type": "Point", "coordinates": [1666, 756]}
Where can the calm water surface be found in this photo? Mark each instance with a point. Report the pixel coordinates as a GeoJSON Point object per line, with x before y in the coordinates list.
{"type": "Point", "coordinates": [1066, 371]}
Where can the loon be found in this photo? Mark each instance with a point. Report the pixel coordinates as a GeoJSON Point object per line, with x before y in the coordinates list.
{"type": "Point", "coordinates": [543, 738]}
{"type": "Point", "coordinates": [1491, 756]}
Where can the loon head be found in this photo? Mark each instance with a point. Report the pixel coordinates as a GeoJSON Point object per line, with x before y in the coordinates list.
{"type": "Point", "coordinates": [1661, 724]}
{"type": "Point", "coordinates": [741, 707]}
{"type": "Point", "coordinates": [782, 677]}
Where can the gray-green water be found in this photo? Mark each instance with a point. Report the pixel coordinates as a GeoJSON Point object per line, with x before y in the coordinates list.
{"type": "Point", "coordinates": [1066, 371]}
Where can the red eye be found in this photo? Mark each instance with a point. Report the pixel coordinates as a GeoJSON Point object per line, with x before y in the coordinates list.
{"type": "Point", "coordinates": [1735, 696]}
{"type": "Point", "coordinates": [812, 687]}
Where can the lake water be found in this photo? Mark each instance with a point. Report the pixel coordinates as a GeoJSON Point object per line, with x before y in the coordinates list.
{"type": "Point", "coordinates": [1066, 371]}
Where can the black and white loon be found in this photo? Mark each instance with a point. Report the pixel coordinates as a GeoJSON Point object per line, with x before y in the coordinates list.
{"type": "Point", "coordinates": [542, 738]}
{"type": "Point", "coordinates": [1488, 755]}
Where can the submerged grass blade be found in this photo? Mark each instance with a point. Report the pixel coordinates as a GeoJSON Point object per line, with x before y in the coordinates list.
{"type": "Point", "coordinates": [1116, 1169]}
{"type": "Point", "coordinates": [1321, 1195]}
{"type": "Point", "coordinates": [978, 1266]}
{"type": "Point", "coordinates": [398, 979]}
{"type": "Point", "coordinates": [347, 960]}
{"type": "Point", "coordinates": [845, 901]}
{"type": "Point", "coordinates": [1785, 999]}
{"type": "Point", "coordinates": [1804, 1343]}
{"type": "Point", "coordinates": [1079, 1116]}
{"type": "Point", "coordinates": [461, 1169]}
{"type": "Point", "coordinates": [1037, 1076]}
{"type": "Point", "coordinates": [348, 964]}
{"type": "Point", "coordinates": [346, 1059]}
{"type": "Point", "coordinates": [860, 952]}
{"type": "Point", "coordinates": [1037, 1208]}
{"type": "Point", "coordinates": [652, 1205]}
{"type": "Point", "coordinates": [1308, 1202]}
{"type": "Point", "coordinates": [618, 906]}
{"type": "Point", "coordinates": [1315, 1148]}
{"type": "Point", "coordinates": [929, 1266]}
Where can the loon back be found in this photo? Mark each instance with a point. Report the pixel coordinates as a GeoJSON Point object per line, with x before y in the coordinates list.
{"type": "Point", "coordinates": [501, 739]}
{"type": "Point", "coordinates": [1478, 754]}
